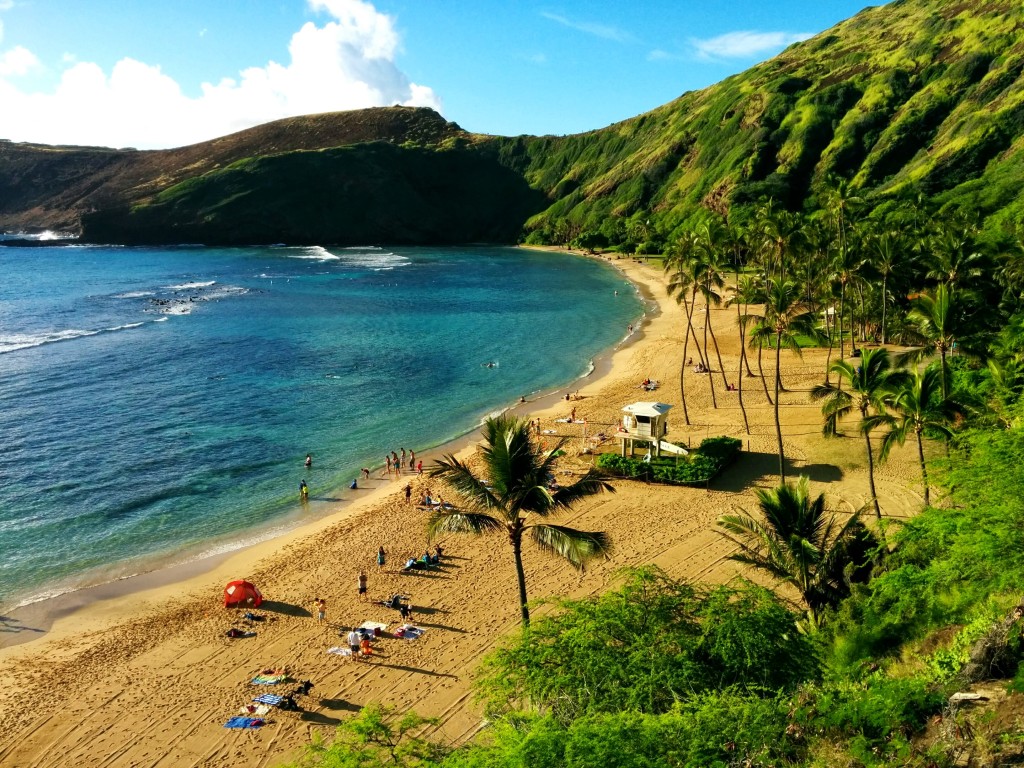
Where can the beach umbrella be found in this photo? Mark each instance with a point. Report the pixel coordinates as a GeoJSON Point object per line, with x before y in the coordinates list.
{"type": "Point", "coordinates": [240, 592]}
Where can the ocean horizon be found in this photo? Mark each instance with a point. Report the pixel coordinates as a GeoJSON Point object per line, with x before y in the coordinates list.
{"type": "Point", "coordinates": [156, 404]}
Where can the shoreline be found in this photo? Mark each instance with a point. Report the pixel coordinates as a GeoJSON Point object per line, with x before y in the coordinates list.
{"type": "Point", "coordinates": [152, 679]}
{"type": "Point", "coordinates": [35, 620]}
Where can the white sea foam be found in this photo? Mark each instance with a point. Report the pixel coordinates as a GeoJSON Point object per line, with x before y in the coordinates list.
{"type": "Point", "coordinates": [160, 320]}
{"type": "Point", "coordinates": [192, 286]}
{"type": "Point", "coordinates": [133, 294]}
{"type": "Point", "coordinates": [314, 253]}
{"type": "Point", "coordinates": [15, 341]}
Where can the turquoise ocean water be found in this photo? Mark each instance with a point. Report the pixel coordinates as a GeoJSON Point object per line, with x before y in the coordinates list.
{"type": "Point", "coordinates": [158, 402]}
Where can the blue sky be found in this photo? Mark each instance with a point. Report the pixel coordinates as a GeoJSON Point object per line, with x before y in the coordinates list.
{"type": "Point", "coordinates": [152, 75]}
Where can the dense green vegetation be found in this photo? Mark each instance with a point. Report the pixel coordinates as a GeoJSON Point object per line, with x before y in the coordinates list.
{"type": "Point", "coordinates": [699, 467]}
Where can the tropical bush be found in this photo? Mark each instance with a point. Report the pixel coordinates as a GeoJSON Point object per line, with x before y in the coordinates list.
{"type": "Point", "coordinates": [700, 466]}
{"type": "Point", "coordinates": [646, 647]}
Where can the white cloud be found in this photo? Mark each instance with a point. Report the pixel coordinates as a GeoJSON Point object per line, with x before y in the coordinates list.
{"type": "Point", "coordinates": [745, 44]}
{"type": "Point", "coordinates": [597, 30]}
{"type": "Point", "coordinates": [17, 61]}
{"type": "Point", "coordinates": [347, 63]}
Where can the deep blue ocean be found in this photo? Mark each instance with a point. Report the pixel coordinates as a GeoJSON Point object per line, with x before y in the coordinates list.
{"type": "Point", "coordinates": [158, 403]}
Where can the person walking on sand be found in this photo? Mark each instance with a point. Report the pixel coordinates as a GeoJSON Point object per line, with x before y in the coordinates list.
{"type": "Point", "coordinates": [419, 467]}
{"type": "Point", "coordinates": [408, 493]}
{"type": "Point", "coordinates": [321, 610]}
{"type": "Point", "coordinates": [381, 555]}
{"type": "Point", "coordinates": [361, 585]}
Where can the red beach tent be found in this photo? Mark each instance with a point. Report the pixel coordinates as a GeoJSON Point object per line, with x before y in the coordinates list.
{"type": "Point", "coordinates": [241, 592]}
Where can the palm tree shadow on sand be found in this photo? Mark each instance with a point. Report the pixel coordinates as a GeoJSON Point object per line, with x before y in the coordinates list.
{"type": "Point", "coordinates": [754, 467]}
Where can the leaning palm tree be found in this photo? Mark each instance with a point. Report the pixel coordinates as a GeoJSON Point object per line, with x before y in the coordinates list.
{"type": "Point", "coordinates": [800, 545]}
{"type": "Point", "coordinates": [514, 490]}
{"type": "Point", "coordinates": [915, 405]}
{"type": "Point", "coordinates": [786, 317]}
{"type": "Point", "coordinates": [868, 384]}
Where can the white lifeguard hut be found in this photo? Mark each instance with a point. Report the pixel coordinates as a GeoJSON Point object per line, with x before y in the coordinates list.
{"type": "Point", "coordinates": [646, 423]}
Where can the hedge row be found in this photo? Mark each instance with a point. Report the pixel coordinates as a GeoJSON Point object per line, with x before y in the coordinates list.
{"type": "Point", "coordinates": [700, 466]}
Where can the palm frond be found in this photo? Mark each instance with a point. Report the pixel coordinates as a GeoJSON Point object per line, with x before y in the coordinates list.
{"type": "Point", "coordinates": [455, 521]}
{"type": "Point", "coordinates": [575, 546]}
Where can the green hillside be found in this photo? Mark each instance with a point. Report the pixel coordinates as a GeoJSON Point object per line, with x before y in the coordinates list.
{"type": "Point", "coordinates": [915, 97]}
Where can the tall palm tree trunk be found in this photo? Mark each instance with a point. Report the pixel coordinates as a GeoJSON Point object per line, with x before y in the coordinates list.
{"type": "Point", "coordinates": [739, 378]}
{"type": "Point", "coordinates": [885, 280]}
{"type": "Point", "coordinates": [842, 316]}
{"type": "Point", "coordinates": [828, 357]}
{"type": "Point", "coordinates": [517, 551]}
{"type": "Point", "coordinates": [718, 354]}
{"type": "Point", "coordinates": [682, 368]}
{"type": "Point", "coordinates": [942, 372]}
{"type": "Point", "coordinates": [778, 423]}
{"type": "Point", "coordinates": [686, 343]}
{"type": "Point", "coordinates": [760, 370]}
{"type": "Point", "coordinates": [871, 473]}
{"type": "Point", "coordinates": [924, 467]}
{"type": "Point", "coordinates": [711, 374]}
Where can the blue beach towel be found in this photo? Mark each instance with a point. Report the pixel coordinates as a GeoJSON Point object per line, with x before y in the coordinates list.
{"type": "Point", "coordinates": [244, 722]}
{"type": "Point", "coordinates": [269, 698]}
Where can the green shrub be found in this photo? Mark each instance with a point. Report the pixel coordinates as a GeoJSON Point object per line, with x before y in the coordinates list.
{"type": "Point", "coordinates": [701, 465]}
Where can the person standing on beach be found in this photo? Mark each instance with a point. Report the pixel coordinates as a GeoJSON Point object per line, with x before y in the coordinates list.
{"type": "Point", "coordinates": [321, 610]}
{"type": "Point", "coordinates": [381, 555]}
{"type": "Point", "coordinates": [412, 460]}
{"type": "Point", "coordinates": [396, 464]}
{"type": "Point", "coordinates": [387, 460]}
{"type": "Point", "coordinates": [408, 493]}
{"type": "Point", "coordinates": [403, 457]}
{"type": "Point", "coordinates": [419, 467]}
{"type": "Point", "coordinates": [361, 585]}
{"type": "Point", "coordinates": [353, 643]}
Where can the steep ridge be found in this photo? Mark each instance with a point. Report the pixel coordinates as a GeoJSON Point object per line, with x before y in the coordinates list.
{"type": "Point", "coordinates": [914, 98]}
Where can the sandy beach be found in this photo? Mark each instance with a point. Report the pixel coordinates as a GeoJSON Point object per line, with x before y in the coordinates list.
{"type": "Point", "coordinates": [150, 678]}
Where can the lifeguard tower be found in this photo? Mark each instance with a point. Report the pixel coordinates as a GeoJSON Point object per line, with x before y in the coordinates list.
{"type": "Point", "coordinates": [646, 423]}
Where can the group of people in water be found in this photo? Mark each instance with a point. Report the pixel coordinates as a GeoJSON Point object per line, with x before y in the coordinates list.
{"type": "Point", "coordinates": [393, 463]}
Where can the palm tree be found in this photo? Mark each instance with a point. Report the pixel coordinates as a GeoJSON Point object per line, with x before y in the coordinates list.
{"type": "Point", "coordinates": [801, 546]}
{"type": "Point", "coordinates": [868, 385]}
{"type": "Point", "coordinates": [685, 269]}
{"type": "Point", "coordinates": [785, 317]}
{"type": "Point", "coordinates": [954, 260]}
{"type": "Point", "coordinates": [746, 289]}
{"type": "Point", "coordinates": [939, 320]}
{"type": "Point", "coordinates": [714, 239]}
{"type": "Point", "coordinates": [512, 491]}
{"type": "Point", "coordinates": [886, 251]}
{"type": "Point", "coordinates": [915, 406]}
{"type": "Point", "coordinates": [841, 204]}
